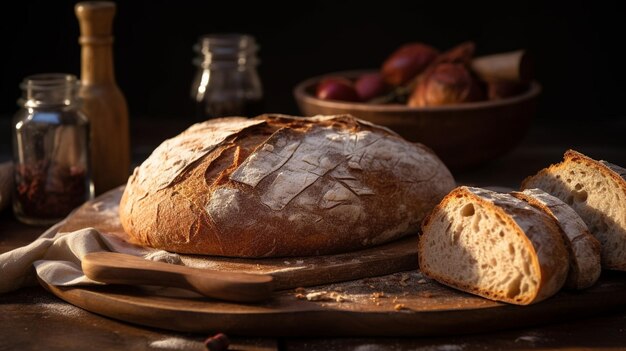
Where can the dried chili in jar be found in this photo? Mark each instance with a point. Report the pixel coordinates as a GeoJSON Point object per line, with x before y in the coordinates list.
{"type": "Point", "coordinates": [50, 149]}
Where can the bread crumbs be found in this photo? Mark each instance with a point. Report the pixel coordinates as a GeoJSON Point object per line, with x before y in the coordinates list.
{"type": "Point", "coordinates": [399, 307]}
{"type": "Point", "coordinates": [326, 296]}
{"type": "Point", "coordinates": [378, 294]}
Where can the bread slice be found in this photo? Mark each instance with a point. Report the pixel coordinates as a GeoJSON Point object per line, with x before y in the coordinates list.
{"type": "Point", "coordinates": [584, 249]}
{"type": "Point", "coordinates": [596, 190]}
{"type": "Point", "coordinates": [493, 245]}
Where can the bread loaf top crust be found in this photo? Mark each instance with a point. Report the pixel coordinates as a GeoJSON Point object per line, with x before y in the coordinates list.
{"type": "Point", "coordinates": [279, 185]}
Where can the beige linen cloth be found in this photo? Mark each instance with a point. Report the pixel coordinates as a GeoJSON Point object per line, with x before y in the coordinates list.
{"type": "Point", "coordinates": [55, 257]}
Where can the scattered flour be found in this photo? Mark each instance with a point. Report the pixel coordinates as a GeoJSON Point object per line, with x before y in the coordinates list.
{"type": "Point", "coordinates": [445, 347]}
{"type": "Point", "coordinates": [529, 338]}
{"type": "Point", "coordinates": [173, 343]}
{"type": "Point", "coordinates": [57, 306]}
{"type": "Point", "coordinates": [532, 338]}
{"type": "Point", "coordinates": [368, 347]}
{"type": "Point", "coordinates": [375, 347]}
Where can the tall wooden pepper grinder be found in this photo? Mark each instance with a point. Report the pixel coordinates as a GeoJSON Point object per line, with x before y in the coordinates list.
{"type": "Point", "coordinates": [103, 102]}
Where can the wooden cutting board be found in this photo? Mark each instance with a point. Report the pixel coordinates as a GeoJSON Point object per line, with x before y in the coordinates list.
{"type": "Point", "coordinates": [288, 272]}
{"type": "Point", "coordinates": [398, 304]}
{"type": "Point", "coordinates": [407, 305]}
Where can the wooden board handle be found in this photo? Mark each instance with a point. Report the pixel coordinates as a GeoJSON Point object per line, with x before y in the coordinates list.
{"type": "Point", "coordinates": [116, 268]}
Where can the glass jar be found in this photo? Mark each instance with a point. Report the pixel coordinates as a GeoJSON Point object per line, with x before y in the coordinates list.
{"type": "Point", "coordinates": [226, 82]}
{"type": "Point", "coordinates": [50, 150]}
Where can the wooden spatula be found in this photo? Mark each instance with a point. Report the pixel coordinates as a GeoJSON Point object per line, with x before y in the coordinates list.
{"type": "Point", "coordinates": [116, 268]}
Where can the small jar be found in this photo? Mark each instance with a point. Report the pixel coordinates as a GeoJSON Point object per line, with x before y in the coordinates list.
{"type": "Point", "coordinates": [226, 82]}
{"type": "Point", "coordinates": [50, 150]}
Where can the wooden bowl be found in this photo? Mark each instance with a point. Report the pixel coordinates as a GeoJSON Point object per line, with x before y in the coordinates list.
{"type": "Point", "coordinates": [462, 135]}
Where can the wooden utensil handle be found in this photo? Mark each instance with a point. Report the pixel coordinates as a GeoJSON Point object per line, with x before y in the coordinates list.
{"type": "Point", "coordinates": [96, 18]}
{"type": "Point", "coordinates": [516, 66]}
{"type": "Point", "coordinates": [116, 268]}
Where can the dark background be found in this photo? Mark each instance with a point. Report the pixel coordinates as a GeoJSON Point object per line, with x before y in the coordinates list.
{"type": "Point", "coordinates": [574, 46]}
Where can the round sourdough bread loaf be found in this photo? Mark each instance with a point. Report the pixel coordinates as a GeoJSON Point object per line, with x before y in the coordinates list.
{"type": "Point", "coordinates": [278, 185]}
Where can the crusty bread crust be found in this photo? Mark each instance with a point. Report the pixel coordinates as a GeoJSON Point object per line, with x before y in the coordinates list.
{"type": "Point", "coordinates": [540, 235]}
{"type": "Point", "coordinates": [584, 249]}
{"type": "Point", "coordinates": [279, 185]}
{"type": "Point", "coordinates": [594, 211]}
{"type": "Point", "coordinates": [615, 172]}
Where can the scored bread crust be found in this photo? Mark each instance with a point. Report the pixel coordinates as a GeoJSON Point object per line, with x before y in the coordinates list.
{"type": "Point", "coordinates": [279, 185]}
{"type": "Point", "coordinates": [540, 235]}
{"type": "Point", "coordinates": [556, 181]}
{"type": "Point", "coordinates": [584, 249]}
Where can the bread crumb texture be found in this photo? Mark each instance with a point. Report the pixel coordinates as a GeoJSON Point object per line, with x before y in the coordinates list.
{"type": "Point", "coordinates": [596, 190]}
{"type": "Point", "coordinates": [495, 246]}
{"type": "Point", "coordinates": [583, 248]}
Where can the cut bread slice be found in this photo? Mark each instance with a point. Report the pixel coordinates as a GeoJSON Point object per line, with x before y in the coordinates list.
{"type": "Point", "coordinates": [493, 245]}
{"type": "Point", "coordinates": [596, 190]}
{"type": "Point", "coordinates": [584, 249]}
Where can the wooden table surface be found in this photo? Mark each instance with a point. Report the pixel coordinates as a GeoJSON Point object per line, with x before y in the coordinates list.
{"type": "Point", "coordinates": [32, 319]}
